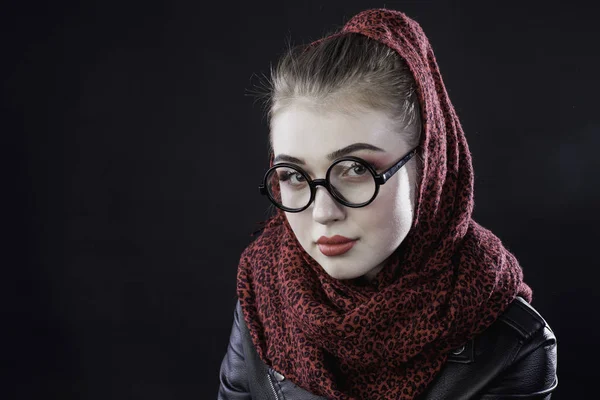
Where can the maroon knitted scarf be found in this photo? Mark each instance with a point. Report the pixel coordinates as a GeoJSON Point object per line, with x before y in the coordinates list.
{"type": "Point", "coordinates": [448, 281]}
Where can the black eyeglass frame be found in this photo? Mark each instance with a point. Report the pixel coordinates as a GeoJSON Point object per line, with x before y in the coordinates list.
{"type": "Point", "coordinates": [380, 179]}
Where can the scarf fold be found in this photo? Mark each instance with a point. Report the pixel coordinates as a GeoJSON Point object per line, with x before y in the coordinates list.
{"type": "Point", "coordinates": [446, 283]}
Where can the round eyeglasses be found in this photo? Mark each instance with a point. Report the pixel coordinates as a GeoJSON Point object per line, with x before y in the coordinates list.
{"type": "Point", "coordinates": [351, 181]}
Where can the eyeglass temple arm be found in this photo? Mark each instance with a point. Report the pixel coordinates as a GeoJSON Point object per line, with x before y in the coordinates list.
{"type": "Point", "coordinates": [394, 168]}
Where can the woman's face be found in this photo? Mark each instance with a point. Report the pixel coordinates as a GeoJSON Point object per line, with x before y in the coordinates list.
{"type": "Point", "coordinates": [310, 135]}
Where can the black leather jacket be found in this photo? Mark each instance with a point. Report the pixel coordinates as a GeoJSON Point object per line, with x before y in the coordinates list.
{"type": "Point", "coordinates": [515, 358]}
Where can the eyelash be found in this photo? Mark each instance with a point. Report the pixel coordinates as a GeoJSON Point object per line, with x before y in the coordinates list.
{"type": "Point", "coordinates": [378, 168]}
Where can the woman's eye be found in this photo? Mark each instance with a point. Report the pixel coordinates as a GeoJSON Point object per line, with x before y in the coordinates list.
{"type": "Point", "coordinates": [292, 177]}
{"type": "Point", "coordinates": [359, 169]}
{"type": "Point", "coordinates": [356, 169]}
{"type": "Point", "coordinates": [298, 178]}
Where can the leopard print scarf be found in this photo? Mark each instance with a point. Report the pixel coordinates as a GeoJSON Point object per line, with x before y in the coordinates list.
{"type": "Point", "coordinates": [447, 282]}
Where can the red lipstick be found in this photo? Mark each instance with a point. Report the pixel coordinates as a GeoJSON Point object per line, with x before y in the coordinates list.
{"type": "Point", "coordinates": [335, 245]}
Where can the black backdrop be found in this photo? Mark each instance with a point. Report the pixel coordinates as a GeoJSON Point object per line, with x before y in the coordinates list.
{"type": "Point", "coordinates": [135, 153]}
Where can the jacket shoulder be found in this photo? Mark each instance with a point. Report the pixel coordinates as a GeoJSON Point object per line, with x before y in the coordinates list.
{"type": "Point", "coordinates": [531, 370]}
{"type": "Point", "coordinates": [515, 357]}
{"type": "Point", "coordinates": [519, 325]}
{"type": "Point", "coordinates": [524, 320]}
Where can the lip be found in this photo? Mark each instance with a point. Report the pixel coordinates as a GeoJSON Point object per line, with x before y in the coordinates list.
{"type": "Point", "coordinates": [335, 246]}
{"type": "Point", "coordinates": [337, 239]}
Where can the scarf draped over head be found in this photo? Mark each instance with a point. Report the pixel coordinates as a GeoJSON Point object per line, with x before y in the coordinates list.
{"type": "Point", "coordinates": [446, 283]}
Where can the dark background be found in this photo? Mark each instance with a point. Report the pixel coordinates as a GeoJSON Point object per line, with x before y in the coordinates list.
{"type": "Point", "coordinates": [133, 153]}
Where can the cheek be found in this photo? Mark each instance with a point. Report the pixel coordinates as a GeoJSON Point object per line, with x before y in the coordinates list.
{"type": "Point", "coordinates": [391, 212]}
{"type": "Point", "coordinates": [300, 224]}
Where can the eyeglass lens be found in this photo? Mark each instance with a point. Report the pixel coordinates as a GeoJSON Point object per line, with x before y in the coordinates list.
{"type": "Point", "coordinates": [350, 180]}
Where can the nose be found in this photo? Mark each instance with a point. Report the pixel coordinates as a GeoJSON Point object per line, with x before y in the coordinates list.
{"type": "Point", "coordinates": [325, 208]}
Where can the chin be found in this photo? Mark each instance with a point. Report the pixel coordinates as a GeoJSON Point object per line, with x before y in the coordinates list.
{"type": "Point", "coordinates": [341, 271]}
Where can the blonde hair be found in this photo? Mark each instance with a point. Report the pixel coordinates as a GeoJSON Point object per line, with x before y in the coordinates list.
{"type": "Point", "coordinates": [346, 73]}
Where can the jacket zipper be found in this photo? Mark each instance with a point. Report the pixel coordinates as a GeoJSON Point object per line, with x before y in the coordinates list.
{"type": "Point", "coordinates": [272, 387]}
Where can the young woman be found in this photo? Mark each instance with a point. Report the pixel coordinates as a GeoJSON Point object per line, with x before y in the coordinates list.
{"type": "Point", "coordinates": [371, 280]}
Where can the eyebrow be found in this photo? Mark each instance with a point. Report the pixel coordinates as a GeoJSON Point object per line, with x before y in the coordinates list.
{"type": "Point", "coordinates": [331, 156]}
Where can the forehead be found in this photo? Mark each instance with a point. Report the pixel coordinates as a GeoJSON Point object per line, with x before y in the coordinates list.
{"type": "Point", "coordinates": [307, 132]}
